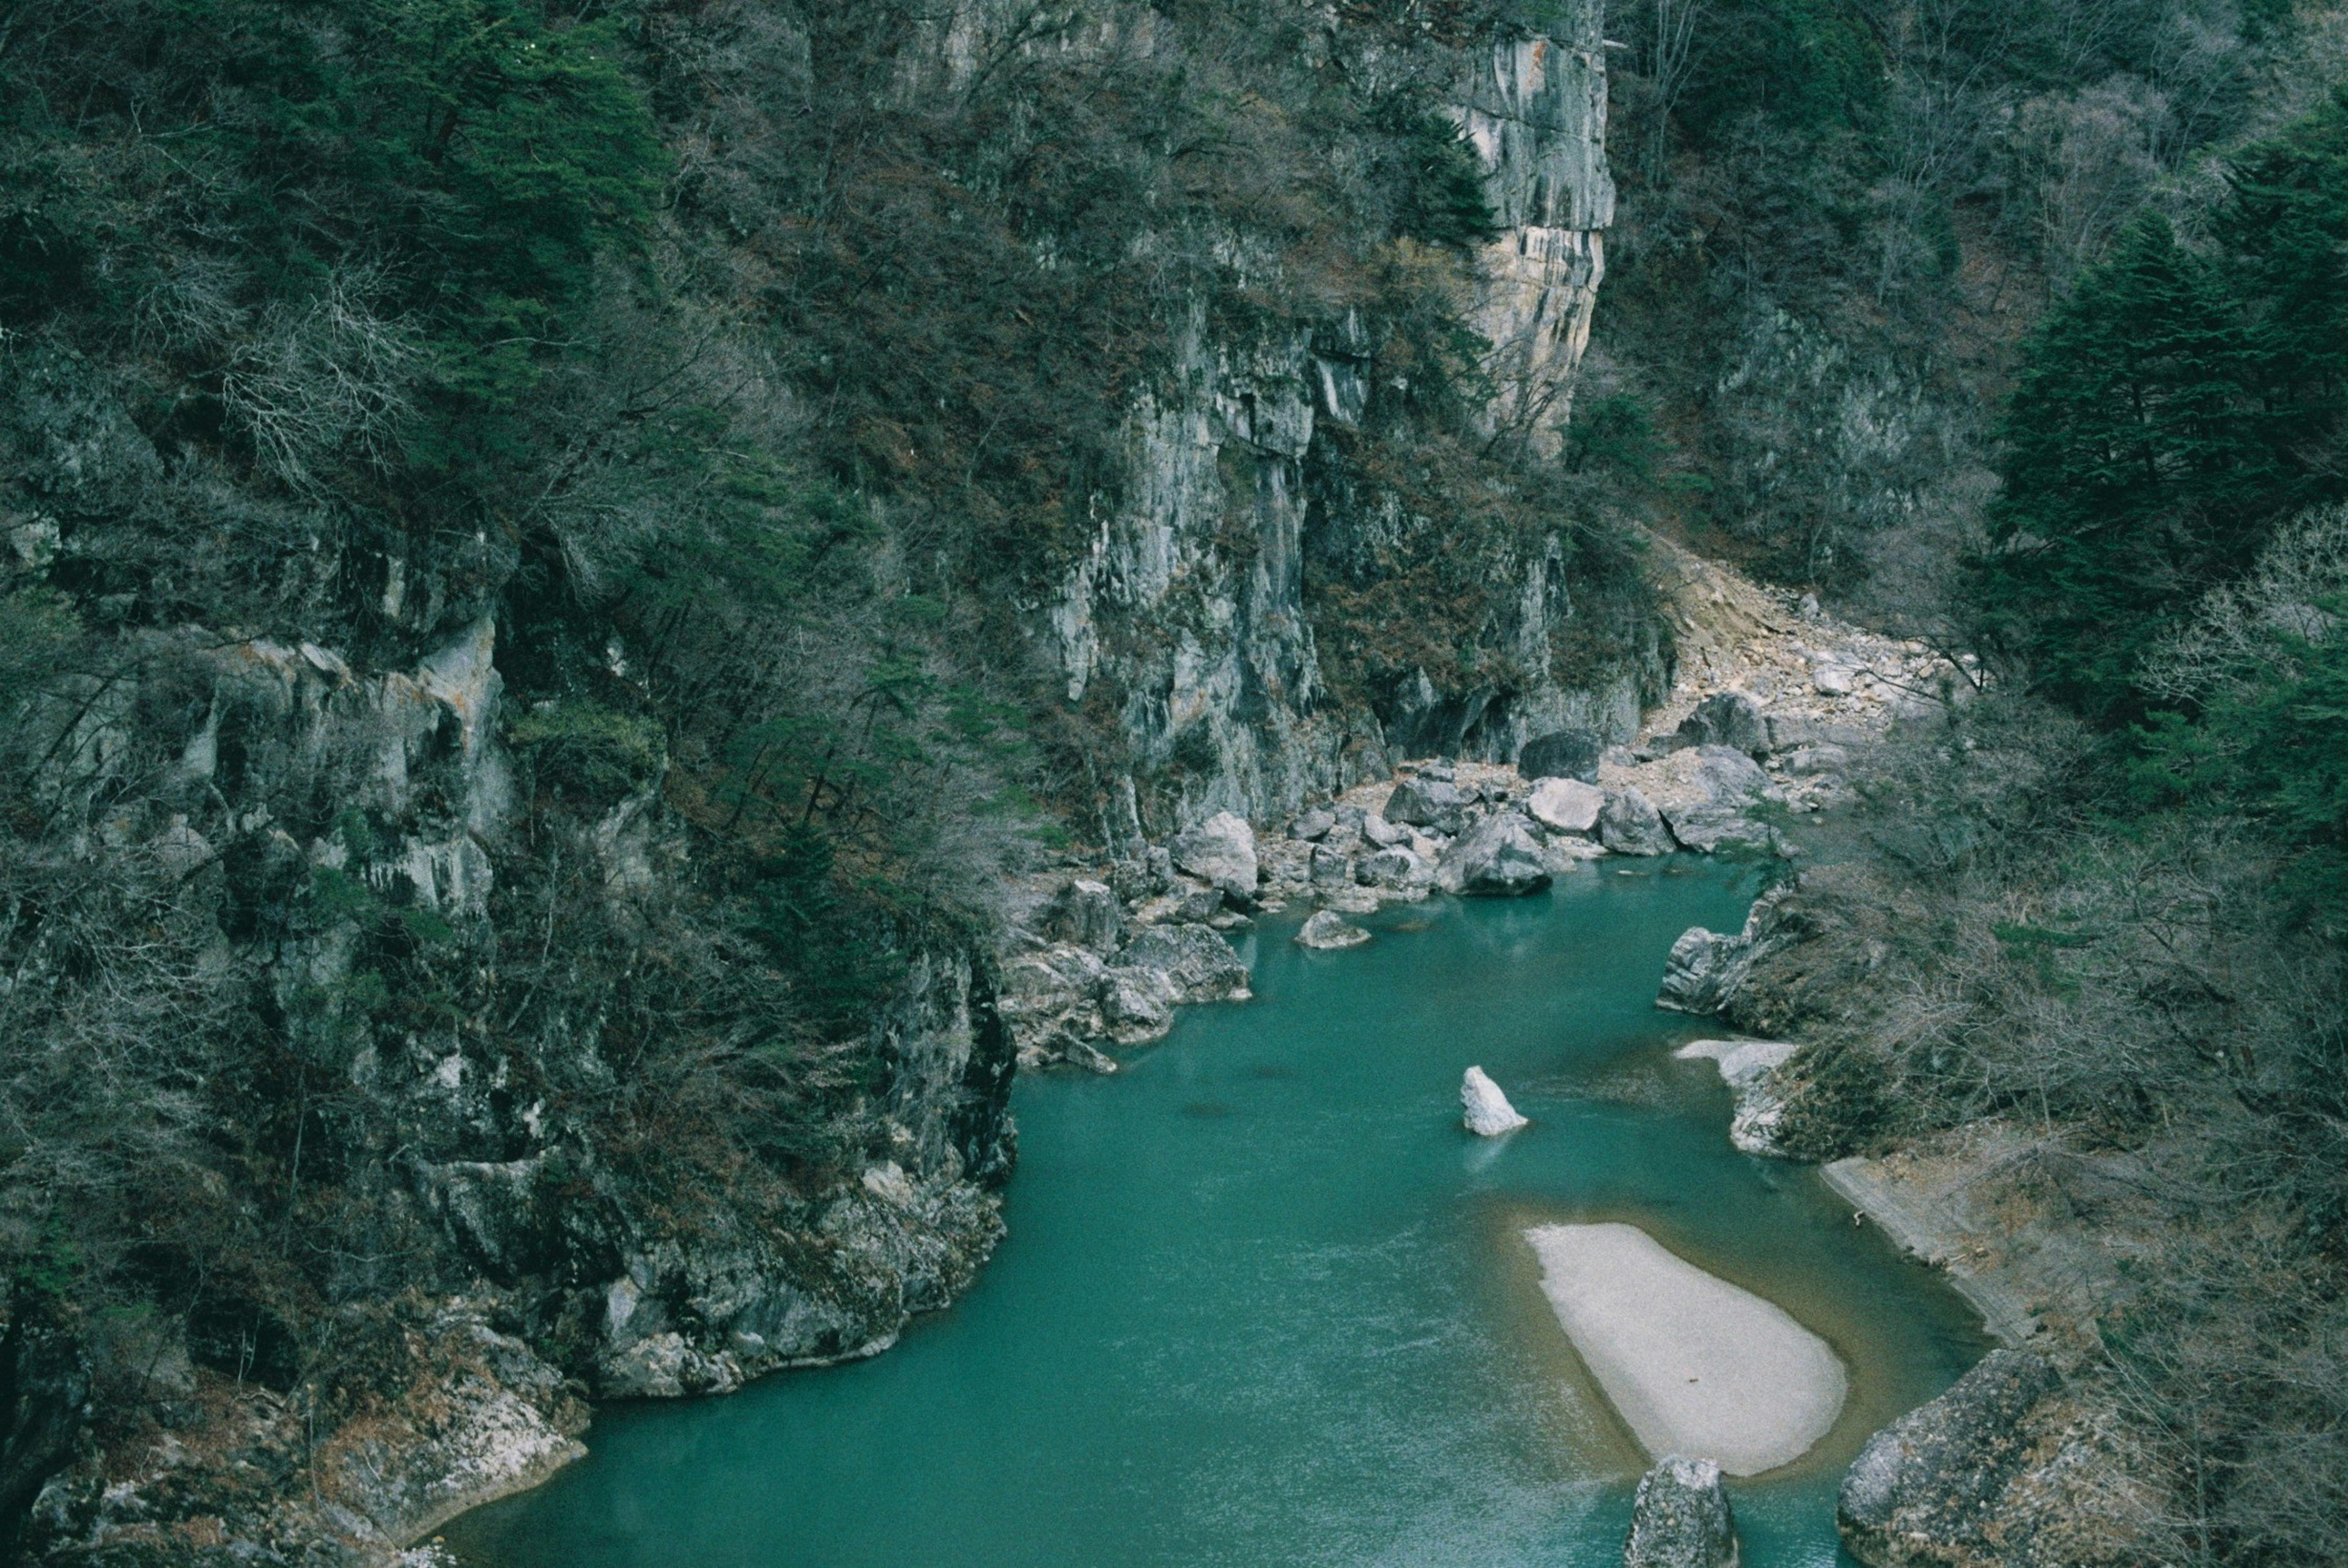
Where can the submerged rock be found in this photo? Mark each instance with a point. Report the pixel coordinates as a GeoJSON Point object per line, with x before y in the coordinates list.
{"type": "Point", "coordinates": [1924, 1490]}
{"type": "Point", "coordinates": [1488, 1112]}
{"type": "Point", "coordinates": [1327, 928]}
{"type": "Point", "coordinates": [1682, 1518]}
{"type": "Point", "coordinates": [1220, 851]}
{"type": "Point", "coordinates": [1496, 858]}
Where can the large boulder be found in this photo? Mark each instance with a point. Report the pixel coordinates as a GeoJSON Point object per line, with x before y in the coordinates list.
{"type": "Point", "coordinates": [1332, 866]}
{"type": "Point", "coordinates": [1136, 1003]}
{"type": "Point", "coordinates": [1221, 851]}
{"type": "Point", "coordinates": [1628, 824]}
{"type": "Point", "coordinates": [1088, 915]}
{"type": "Point", "coordinates": [1195, 960]}
{"type": "Point", "coordinates": [1496, 858]}
{"type": "Point", "coordinates": [1564, 754]}
{"type": "Point", "coordinates": [1568, 805]}
{"type": "Point", "coordinates": [1327, 929]}
{"type": "Point", "coordinates": [1708, 795]}
{"type": "Point", "coordinates": [1429, 803]}
{"type": "Point", "coordinates": [1312, 825]}
{"type": "Point", "coordinates": [1726, 719]}
{"type": "Point", "coordinates": [1681, 1518]}
{"type": "Point", "coordinates": [1392, 869]}
{"type": "Point", "coordinates": [1926, 1488]}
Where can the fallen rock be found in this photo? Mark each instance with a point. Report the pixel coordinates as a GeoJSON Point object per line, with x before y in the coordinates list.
{"type": "Point", "coordinates": [1568, 806]}
{"type": "Point", "coordinates": [1221, 851]}
{"type": "Point", "coordinates": [1327, 928]}
{"type": "Point", "coordinates": [1924, 1488]}
{"type": "Point", "coordinates": [1312, 825]}
{"type": "Point", "coordinates": [1195, 960]}
{"type": "Point", "coordinates": [1332, 867]}
{"type": "Point", "coordinates": [1136, 1004]}
{"type": "Point", "coordinates": [1496, 858]}
{"type": "Point", "coordinates": [1630, 824]}
{"type": "Point", "coordinates": [1378, 830]}
{"type": "Point", "coordinates": [1088, 915]}
{"type": "Point", "coordinates": [1819, 759]}
{"type": "Point", "coordinates": [1728, 719]}
{"type": "Point", "coordinates": [1392, 868]}
{"type": "Point", "coordinates": [1429, 803]}
{"type": "Point", "coordinates": [1563, 754]}
{"type": "Point", "coordinates": [1681, 1518]}
{"type": "Point", "coordinates": [1488, 1113]}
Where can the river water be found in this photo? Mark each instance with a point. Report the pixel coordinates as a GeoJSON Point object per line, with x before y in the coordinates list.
{"type": "Point", "coordinates": [1264, 1304]}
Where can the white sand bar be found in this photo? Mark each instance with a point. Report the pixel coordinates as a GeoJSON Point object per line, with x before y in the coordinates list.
{"type": "Point", "coordinates": [1694, 1365]}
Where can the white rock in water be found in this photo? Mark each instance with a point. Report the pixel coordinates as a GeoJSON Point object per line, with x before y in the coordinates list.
{"type": "Point", "coordinates": [1488, 1111]}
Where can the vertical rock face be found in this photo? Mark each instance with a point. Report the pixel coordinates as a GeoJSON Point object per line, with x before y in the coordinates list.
{"type": "Point", "coordinates": [1188, 609]}
{"type": "Point", "coordinates": [1185, 625]}
{"type": "Point", "coordinates": [1536, 112]}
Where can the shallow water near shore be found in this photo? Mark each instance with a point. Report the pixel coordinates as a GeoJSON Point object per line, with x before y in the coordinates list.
{"type": "Point", "coordinates": [1264, 1304]}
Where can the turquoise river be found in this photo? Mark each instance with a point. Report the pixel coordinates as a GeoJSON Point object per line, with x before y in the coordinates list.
{"type": "Point", "coordinates": [1264, 1304]}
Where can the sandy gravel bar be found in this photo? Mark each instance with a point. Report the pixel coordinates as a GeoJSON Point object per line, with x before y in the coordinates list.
{"type": "Point", "coordinates": [1694, 1365]}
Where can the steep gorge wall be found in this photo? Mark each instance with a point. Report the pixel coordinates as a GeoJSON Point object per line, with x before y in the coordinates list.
{"type": "Point", "coordinates": [1189, 625]}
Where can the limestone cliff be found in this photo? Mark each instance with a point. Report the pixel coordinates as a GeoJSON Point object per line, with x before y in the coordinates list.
{"type": "Point", "coordinates": [1189, 624]}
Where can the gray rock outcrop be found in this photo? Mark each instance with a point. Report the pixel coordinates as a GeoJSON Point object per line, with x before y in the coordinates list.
{"type": "Point", "coordinates": [1220, 851]}
{"type": "Point", "coordinates": [1681, 1518]}
{"type": "Point", "coordinates": [1630, 824]}
{"type": "Point", "coordinates": [1924, 1491]}
{"type": "Point", "coordinates": [1705, 968]}
{"type": "Point", "coordinates": [1195, 958]}
{"type": "Point", "coordinates": [1088, 915]}
{"type": "Point", "coordinates": [1496, 858]}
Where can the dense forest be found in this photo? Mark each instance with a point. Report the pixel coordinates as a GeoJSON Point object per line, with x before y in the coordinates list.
{"type": "Point", "coordinates": [2021, 330]}
{"type": "Point", "coordinates": [520, 707]}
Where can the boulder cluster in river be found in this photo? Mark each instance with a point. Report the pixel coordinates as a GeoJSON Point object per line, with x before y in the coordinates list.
{"type": "Point", "coordinates": [1104, 957]}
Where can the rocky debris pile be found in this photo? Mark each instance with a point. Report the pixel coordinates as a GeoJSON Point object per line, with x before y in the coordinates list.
{"type": "Point", "coordinates": [1681, 1518]}
{"type": "Point", "coordinates": [1931, 1488]}
{"type": "Point", "coordinates": [1486, 1111]}
{"type": "Point", "coordinates": [1084, 973]}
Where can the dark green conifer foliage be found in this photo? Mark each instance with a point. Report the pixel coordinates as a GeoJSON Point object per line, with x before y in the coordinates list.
{"type": "Point", "coordinates": [2141, 468]}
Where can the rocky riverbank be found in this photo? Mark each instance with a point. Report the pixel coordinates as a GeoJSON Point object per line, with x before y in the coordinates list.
{"type": "Point", "coordinates": [1774, 697]}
